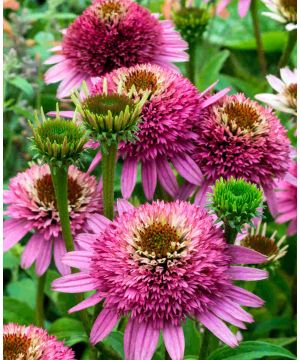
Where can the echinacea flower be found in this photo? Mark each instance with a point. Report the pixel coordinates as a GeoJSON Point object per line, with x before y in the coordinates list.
{"type": "Point", "coordinates": [32, 206]}
{"type": "Point", "coordinates": [257, 239]}
{"type": "Point", "coordinates": [165, 132]}
{"type": "Point", "coordinates": [159, 264]}
{"type": "Point", "coordinates": [108, 35]}
{"type": "Point", "coordinates": [283, 11]}
{"type": "Point", "coordinates": [286, 195]}
{"type": "Point", "coordinates": [238, 137]}
{"type": "Point", "coordinates": [32, 343]}
{"type": "Point", "coordinates": [286, 98]}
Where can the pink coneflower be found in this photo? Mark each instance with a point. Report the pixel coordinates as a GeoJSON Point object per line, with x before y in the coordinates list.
{"type": "Point", "coordinates": [111, 34]}
{"type": "Point", "coordinates": [286, 194]}
{"type": "Point", "coordinates": [32, 206]}
{"type": "Point", "coordinates": [286, 98]}
{"type": "Point", "coordinates": [165, 132]}
{"type": "Point", "coordinates": [32, 343]}
{"type": "Point", "coordinates": [159, 264]}
{"type": "Point", "coordinates": [240, 138]}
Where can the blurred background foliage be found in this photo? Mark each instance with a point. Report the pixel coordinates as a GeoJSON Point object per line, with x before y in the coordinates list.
{"type": "Point", "coordinates": [227, 53]}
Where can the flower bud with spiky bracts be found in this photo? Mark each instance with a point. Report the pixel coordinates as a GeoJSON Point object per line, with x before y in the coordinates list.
{"type": "Point", "coordinates": [110, 117]}
{"type": "Point", "coordinates": [236, 202]}
{"type": "Point", "coordinates": [257, 239]}
{"type": "Point", "coordinates": [191, 22]}
{"type": "Point", "coordinates": [58, 142]}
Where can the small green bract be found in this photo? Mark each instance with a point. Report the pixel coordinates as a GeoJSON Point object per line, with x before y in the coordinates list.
{"type": "Point", "coordinates": [58, 142]}
{"type": "Point", "coordinates": [236, 202]}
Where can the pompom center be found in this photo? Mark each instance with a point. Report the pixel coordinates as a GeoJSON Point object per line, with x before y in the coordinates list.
{"type": "Point", "coordinates": [110, 10]}
{"type": "Point", "coordinates": [289, 9]}
{"type": "Point", "coordinates": [240, 116]}
{"type": "Point", "coordinates": [142, 80]}
{"type": "Point", "coordinates": [15, 346]}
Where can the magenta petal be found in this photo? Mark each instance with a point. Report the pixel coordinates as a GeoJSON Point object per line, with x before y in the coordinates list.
{"type": "Point", "coordinates": [149, 178]}
{"type": "Point", "coordinates": [185, 191]}
{"type": "Point", "coordinates": [244, 297]}
{"type": "Point", "coordinates": [271, 200]}
{"type": "Point", "coordinates": [233, 308]}
{"type": "Point", "coordinates": [174, 341]}
{"type": "Point", "coordinates": [246, 273]}
{"type": "Point", "coordinates": [75, 283]}
{"type": "Point", "coordinates": [44, 257]}
{"type": "Point", "coordinates": [166, 176]}
{"type": "Point", "coordinates": [123, 206]}
{"type": "Point", "coordinates": [59, 252]}
{"type": "Point", "coordinates": [13, 230]}
{"type": "Point", "coordinates": [90, 301]}
{"type": "Point", "coordinates": [78, 259]}
{"type": "Point", "coordinates": [292, 228]}
{"type": "Point", "coordinates": [103, 325]}
{"type": "Point", "coordinates": [201, 196]}
{"type": "Point", "coordinates": [140, 340]}
{"type": "Point", "coordinates": [128, 178]}
{"type": "Point", "coordinates": [214, 98]}
{"type": "Point", "coordinates": [187, 168]}
{"type": "Point", "coordinates": [31, 250]}
{"type": "Point", "coordinates": [64, 114]}
{"type": "Point", "coordinates": [94, 163]}
{"type": "Point", "coordinates": [243, 255]}
{"type": "Point", "coordinates": [243, 7]}
{"type": "Point", "coordinates": [69, 84]}
{"type": "Point", "coordinates": [220, 312]}
{"type": "Point", "coordinates": [98, 223]}
{"type": "Point", "coordinates": [218, 328]}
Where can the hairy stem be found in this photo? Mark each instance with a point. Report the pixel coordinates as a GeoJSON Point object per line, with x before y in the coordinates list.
{"type": "Point", "coordinates": [204, 345]}
{"type": "Point", "coordinates": [292, 39]}
{"type": "Point", "coordinates": [258, 38]}
{"type": "Point", "coordinates": [40, 300]}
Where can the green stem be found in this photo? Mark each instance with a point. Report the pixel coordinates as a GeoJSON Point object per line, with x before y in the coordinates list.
{"type": "Point", "coordinates": [230, 233]}
{"type": "Point", "coordinates": [109, 157]}
{"type": "Point", "coordinates": [258, 38]}
{"type": "Point", "coordinates": [40, 300]}
{"type": "Point", "coordinates": [190, 65]}
{"type": "Point", "coordinates": [60, 184]}
{"type": "Point", "coordinates": [292, 39]}
{"type": "Point", "coordinates": [204, 345]}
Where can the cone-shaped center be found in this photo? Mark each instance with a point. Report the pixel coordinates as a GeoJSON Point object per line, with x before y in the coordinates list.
{"type": "Point", "coordinates": [100, 104]}
{"type": "Point", "coordinates": [15, 346]}
{"type": "Point", "coordinates": [242, 116]}
{"type": "Point", "coordinates": [110, 9]}
{"type": "Point", "coordinates": [46, 194]}
{"type": "Point", "coordinates": [159, 239]}
{"type": "Point", "coordinates": [143, 80]}
{"type": "Point", "coordinates": [262, 244]}
{"type": "Point", "coordinates": [289, 6]}
{"type": "Point", "coordinates": [291, 94]}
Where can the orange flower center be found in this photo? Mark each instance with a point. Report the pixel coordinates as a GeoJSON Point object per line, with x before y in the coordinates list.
{"type": "Point", "coordinates": [15, 346]}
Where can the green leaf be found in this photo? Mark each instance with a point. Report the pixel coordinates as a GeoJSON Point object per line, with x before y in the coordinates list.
{"type": "Point", "coordinates": [22, 84]}
{"type": "Point", "coordinates": [23, 290]}
{"type": "Point", "coordinates": [17, 311]}
{"type": "Point", "coordinates": [251, 350]}
{"type": "Point", "coordinates": [115, 340]}
{"type": "Point", "coordinates": [69, 330]}
{"type": "Point", "coordinates": [280, 341]}
{"type": "Point", "coordinates": [210, 71]}
{"type": "Point", "coordinates": [11, 260]}
{"type": "Point", "coordinates": [192, 338]}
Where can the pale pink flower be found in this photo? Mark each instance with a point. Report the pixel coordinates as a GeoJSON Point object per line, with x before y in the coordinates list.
{"type": "Point", "coordinates": [32, 343]}
{"type": "Point", "coordinates": [32, 207]}
{"type": "Point", "coordinates": [159, 264]}
{"type": "Point", "coordinates": [283, 11]}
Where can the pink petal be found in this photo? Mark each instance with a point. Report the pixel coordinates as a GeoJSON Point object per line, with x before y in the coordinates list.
{"type": "Point", "coordinates": [220, 312]}
{"type": "Point", "coordinates": [94, 163]}
{"type": "Point", "coordinates": [221, 6]}
{"type": "Point", "coordinates": [78, 259]}
{"type": "Point", "coordinates": [149, 178]}
{"type": "Point", "coordinates": [185, 191]}
{"type": "Point", "coordinates": [54, 59]}
{"type": "Point", "coordinates": [98, 223]}
{"type": "Point", "coordinates": [271, 200]}
{"type": "Point", "coordinates": [58, 72]}
{"type": "Point", "coordinates": [201, 196]}
{"type": "Point", "coordinates": [75, 283]}
{"type": "Point", "coordinates": [86, 240]}
{"type": "Point", "coordinates": [31, 250]}
{"type": "Point", "coordinates": [174, 341]}
{"type": "Point", "coordinates": [246, 273]}
{"type": "Point", "coordinates": [88, 302]}
{"type": "Point", "coordinates": [68, 84]}
{"type": "Point", "coordinates": [287, 216]}
{"type": "Point", "coordinates": [166, 176]}
{"type": "Point", "coordinates": [13, 231]}
{"type": "Point", "coordinates": [103, 325]}
{"type": "Point", "coordinates": [276, 83]}
{"type": "Point", "coordinates": [128, 177]}
{"type": "Point", "coordinates": [243, 255]}
{"type": "Point", "coordinates": [244, 297]}
{"type": "Point", "coordinates": [59, 251]}
{"type": "Point", "coordinates": [123, 206]}
{"type": "Point", "coordinates": [234, 309]}
{"type": "Point", "coordinates": [63, 114]}
{"type": "Point", "coordinates": [44, 257]}
{"type": "Point", "coordinates": [218, 328]}
{"type": "Point", "coordinates": [292, 228]}
{"type": "Point", "coordinates": [243, 7]}
{"type": "Point", "coordinates": [140, 340]}
{"type": "Point", "coordinates": [187, 168]}
{"type": "Point", "coordinates": [214, 98]}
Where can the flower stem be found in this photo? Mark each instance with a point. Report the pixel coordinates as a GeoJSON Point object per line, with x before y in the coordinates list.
{"type": "Point", "coordinates": [258, 38]}
{"type": "Point", "coordinates": [40, 300]}
{"type": "Point", "coordinates": [204, 345]}
{"type": "Point", "coordinates": [191, 64]}
{"type": "Point", "coordinates": [109, 156]}
{"type": "Point", "coordinates": [230, 233]}
{"type": "Point", "coordinates": [292, 39]}
{"type": "Point", "coordinates": [60, 184]}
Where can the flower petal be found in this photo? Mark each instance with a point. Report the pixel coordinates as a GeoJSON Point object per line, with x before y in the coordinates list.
{"type": "Point", "coordinates": [103, 325]}
{"type": "Point", "coordinates": [187, 168]}
{"type": "Point", "coordinates": [75, 283]}
{"type": "Point", "coordinates": [89, 301]}
{"type": "Point", "coordinates": [44, 257]}
{"type": "Point", "coordinates": [246, 273]}
{"type": "Point", "coordinates": [243, 255]}
{"type": "Point", "coordinates": [31, 250]}
{"type": "Point", "coordinates": [174, 341]}
{"type": "Point", "coordinates": [128, 177]}
{"type": "Point", "coordinates": [59, 251]}
{"type": "Point", "coordinates": [149, 178]}
{"type": "Point", "coordinates": [123, 206]}
{"type": "Point", "coordinates": [166, 176]}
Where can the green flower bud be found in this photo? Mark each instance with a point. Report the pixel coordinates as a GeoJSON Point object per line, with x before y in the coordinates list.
{"type": "Point", "coordinates": [236, 202]}
{"type": "Point", "coordinates": [273, 249]}
{"type": "Point", "coordinates": [191, 22]}
{"type": "Point", "coordinates": [110, 117]}
{"type": "Point", "coordinates": [58, 142]}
